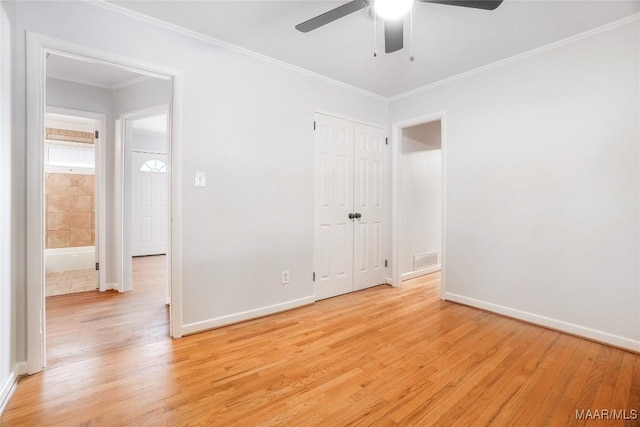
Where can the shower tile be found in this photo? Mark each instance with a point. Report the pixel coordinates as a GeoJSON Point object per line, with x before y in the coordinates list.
{"type": "Point", "coordinates": [57, 221]}
{"type": "Point", "coordinates": [87, 184]}
{"type": "Point", "coordinates": [74, 191]}
{"type": "Point", "coordinates": [56, 183]}
{"type": "Point", "coordinates": [81, 221]}
{"type": "Point", "coordinates": [81, 203]}
{"type": "Point", "coordinates": [58, 238]}
{"type": "Point", "coordinates": [59, 203]}
{"type": "Point", "coordinates": [80, 237]}
{"type": "Point", "coordinates": [70, 207]}
{"type": "Point", "coordinates": [74, 180]}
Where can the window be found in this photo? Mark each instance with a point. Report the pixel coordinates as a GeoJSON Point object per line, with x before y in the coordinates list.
{"type": "Point", "coordinates": [69, 156]}
{"type": "Point", "coordinates": [157, 166]}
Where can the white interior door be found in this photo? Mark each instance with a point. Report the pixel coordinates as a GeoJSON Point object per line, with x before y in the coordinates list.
{"type": "Point", "coordinates": [149, 204]}
{"type": "Point", "coordinates": [333, 193]}
{"type": "Point", "coordinates": [368, 203]}
{"type": "Point", "coordinates": [349, 191]}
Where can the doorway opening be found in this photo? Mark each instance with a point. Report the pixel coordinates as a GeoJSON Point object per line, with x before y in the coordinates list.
{"type": "Point", "coordinates": [145, 143]}
{"type": "Point", "coordinates": [419, 198]}
{"type": "Point", "coordinates": [74, 81]}
{"type": "Point", "coordinates": [71, 161]}
{"type": "Point", "coordinates": [421, 232]}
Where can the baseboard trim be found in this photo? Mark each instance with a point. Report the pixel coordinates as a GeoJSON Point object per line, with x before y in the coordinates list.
{"type": "Point", "coordinates": [7, 390]}
{"type": "Point", "coordinates": [414, 274]}
{"type": "Point", "coordinates": [548, 322]}
{"type": "Point", "coordinates": [10, 384]}
{"type": "Point", "coordinates": [388, 281]}
{"type": "Point", "coordinates": [192, 328]}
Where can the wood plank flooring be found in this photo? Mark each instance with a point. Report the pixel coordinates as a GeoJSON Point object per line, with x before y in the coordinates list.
{"type": "Point", "coordinates": [384, 356]}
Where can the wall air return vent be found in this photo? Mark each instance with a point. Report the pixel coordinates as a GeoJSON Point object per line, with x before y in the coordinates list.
{"type": "Point", "coordinates": [425, 260]}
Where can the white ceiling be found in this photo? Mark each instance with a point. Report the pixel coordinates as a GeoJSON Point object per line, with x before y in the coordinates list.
{"type": "Point", "coordinates": [90, 73]}
{"type": "Point", "coordinates": [447, 40]}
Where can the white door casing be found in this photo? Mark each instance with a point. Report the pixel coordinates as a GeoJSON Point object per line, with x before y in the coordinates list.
{"type": "Point", "coordinates": [348, 179]}
{"type": "Point", "coordinates": [37, 45]}
{"type": "Point", "coordinates": [333, 183]}
{"type": "Point", "coordinates": [368, 204]}
{"type": "Point", "coordinates": [149, 204]}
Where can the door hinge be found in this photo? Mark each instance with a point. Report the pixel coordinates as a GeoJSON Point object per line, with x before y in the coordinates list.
{"type": "Point", "coordinates": [97, 266]}
{"type": "Point", "coordinates": [97, 134]}
{"type": "Point", "coordinates": [314, 276]}
{"type": "Point", "coordinates": [385, 263]}
{"type": "Point", "coordinates": [386, 140]}
{"type": "Point", "coordinates": [314, 125]}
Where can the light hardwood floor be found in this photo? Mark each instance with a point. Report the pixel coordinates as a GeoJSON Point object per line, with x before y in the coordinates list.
{"type": "Point", "coordinates": [383, 356]}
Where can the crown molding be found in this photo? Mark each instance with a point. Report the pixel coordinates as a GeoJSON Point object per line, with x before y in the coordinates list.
{"type": "Point", "coordinates": [208, 39]}
{"type": "Point", "coordinates": [580, 36]}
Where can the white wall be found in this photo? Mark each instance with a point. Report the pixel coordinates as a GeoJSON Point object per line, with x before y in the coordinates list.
{"type": "Point", "coordinates": [248, 124]}
{"type": "Point", "coordinates": [65, 94]}
{"type": "Point", "coordinates": [8, 293]}
{"type": "Point", "coordinates": [421, 193]}
{"type": "Point", "coordinates": [543, 185]}
{"type": "Point", "coordinates": [148, 93]}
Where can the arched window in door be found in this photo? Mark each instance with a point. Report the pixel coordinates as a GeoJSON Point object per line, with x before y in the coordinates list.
{"type": "Point", "coordinates": [157, 166]}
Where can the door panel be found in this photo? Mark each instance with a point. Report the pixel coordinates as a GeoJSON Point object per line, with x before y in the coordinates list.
{"type": "Point", "coordinates": [144, 230]}
{"type": "Point", "coordinates": [149, 204]}
{"type": "Point", "coordinates": [368, 202]}
{"type": "Point", "coordinates": [348, 178]}
{"type": "Point", "coordinates": [333, 193]}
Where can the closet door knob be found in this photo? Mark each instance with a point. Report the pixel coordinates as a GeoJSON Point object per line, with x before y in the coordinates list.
{"type": "Point", "coordinates": [351, 216]}
{"type": "Point", "coordinates": [358, 215]}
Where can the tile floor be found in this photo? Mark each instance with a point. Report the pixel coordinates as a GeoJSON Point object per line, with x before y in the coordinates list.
{"type": "Point", "coordinates": [70, 282]}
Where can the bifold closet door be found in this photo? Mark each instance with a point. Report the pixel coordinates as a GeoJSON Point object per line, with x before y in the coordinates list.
{"type": "Point", "coordinates": [349, 206]}
{"type": "Point", "coordinates": [368, 202]}
{"type": "Point", "coordinates": [333, 201]}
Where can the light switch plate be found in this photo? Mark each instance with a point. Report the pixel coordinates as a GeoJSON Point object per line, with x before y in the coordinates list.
{"type": "Point", "coordinates": [285, 277]}
{"type": "Point", "coordinates": [200, 179]}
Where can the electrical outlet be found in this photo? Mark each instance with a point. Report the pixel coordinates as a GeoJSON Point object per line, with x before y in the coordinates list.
{"type": "Point", "coordinates": [285, 277]}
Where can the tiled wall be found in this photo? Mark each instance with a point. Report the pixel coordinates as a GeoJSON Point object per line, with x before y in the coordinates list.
{"type": "Point", "coordinates": [69, 210]}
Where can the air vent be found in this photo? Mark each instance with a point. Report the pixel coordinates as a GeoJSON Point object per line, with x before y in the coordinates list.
{"type": "Point", "coordinates": [425, 260]}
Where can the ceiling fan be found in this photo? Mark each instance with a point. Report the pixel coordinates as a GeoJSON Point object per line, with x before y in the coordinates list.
{"type": "Point", "coordinates": [391, 12]}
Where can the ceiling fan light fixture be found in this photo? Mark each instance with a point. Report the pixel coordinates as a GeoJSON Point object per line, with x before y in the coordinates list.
{"type": "Point", "coordinates": [392, 9]}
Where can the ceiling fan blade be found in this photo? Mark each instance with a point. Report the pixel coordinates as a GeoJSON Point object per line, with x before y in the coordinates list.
{"type": "Point", "coordinates": [332, 15]}
{"type": "Point", "coordinates": [393, 35]}
{"type": "Point", "coordinates": [476, 4]}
